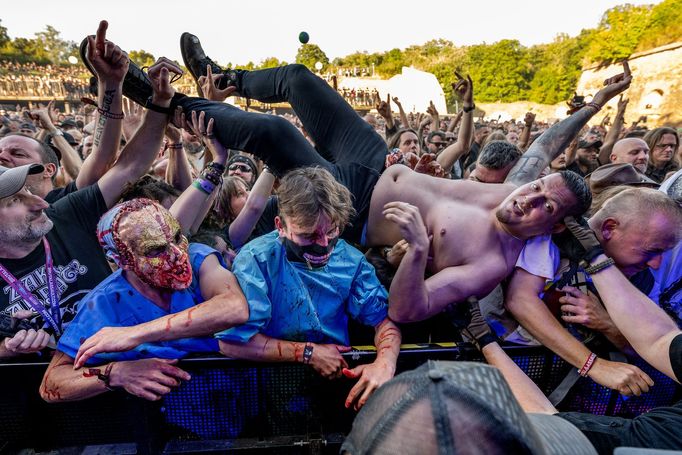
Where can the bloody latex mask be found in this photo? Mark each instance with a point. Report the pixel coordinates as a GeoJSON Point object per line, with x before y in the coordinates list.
{"type": "Point", "coordinates": [148, 241]}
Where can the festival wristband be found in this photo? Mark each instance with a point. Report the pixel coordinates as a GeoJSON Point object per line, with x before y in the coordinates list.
{"type": "Point", "coordinates": [588, 364]}
{"type": "Point", "coordinates": [204, 185]}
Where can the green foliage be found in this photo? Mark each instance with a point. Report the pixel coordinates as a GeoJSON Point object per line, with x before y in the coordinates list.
{"type": "Point", "coordinates": [142, 57]}
{"type": "Point", "coordinates": [504, 71]}
{"type": "Point", "coordinates": [309, 54]}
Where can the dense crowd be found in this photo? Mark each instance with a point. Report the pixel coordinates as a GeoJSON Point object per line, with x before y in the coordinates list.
{"type": "Point", "coordinates": [172, 225]}
{"type": "Point", "coordinates": [19, 80]}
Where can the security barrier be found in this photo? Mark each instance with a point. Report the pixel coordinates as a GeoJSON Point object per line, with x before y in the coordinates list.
{"type": "Point", "coordinates": [232, 405]}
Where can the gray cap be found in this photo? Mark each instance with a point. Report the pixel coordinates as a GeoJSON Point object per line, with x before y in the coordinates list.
{"type": "Point", "coordinates": [13, 179]}
{"type": "Point", "coordinates": [457, 407]}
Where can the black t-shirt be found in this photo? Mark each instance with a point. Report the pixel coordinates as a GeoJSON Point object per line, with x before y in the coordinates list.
{"type": "Point", "coordinates": [58, 193]}
{"type": "Point", "coordinates": [79, 262]}
{"type": "Point", "coordinates": [575, 168]}
{"type": "Point", "coordinates": [676, 356]}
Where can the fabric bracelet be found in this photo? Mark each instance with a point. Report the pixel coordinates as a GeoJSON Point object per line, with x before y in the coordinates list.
{"type": "Point", "coordinates": [204, 185]}
{"type": "Point", "coordinates": [588, 364]}
{"type": "Point", "coordinates": [110, 115]}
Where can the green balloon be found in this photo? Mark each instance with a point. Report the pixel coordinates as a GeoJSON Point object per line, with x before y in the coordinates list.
{"type": "Point", "coordinates": [303, 37]}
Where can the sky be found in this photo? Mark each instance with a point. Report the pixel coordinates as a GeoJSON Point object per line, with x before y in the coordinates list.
{"type": "Point", "coordinates": [239, 32]}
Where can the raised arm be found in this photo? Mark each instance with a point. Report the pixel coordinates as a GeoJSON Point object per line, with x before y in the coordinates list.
{"type": "Point", "coordinates": [140, 152]}
{"type": "Point", "coordinates": [524, 138]}
{"type": "Point", "coordinates": [178, 171]}
{"type": "Point", "coordinates": [224, 307]}
{"type": "Point", "coordinates": [614, 132]}
{"type": "Point", "coordinates": [435, 116]}
{"type": "Point", "coordinates": [454, 122]}
{"type": "Point", "coordinates": [554, 140]}
{"type": "Point", "coordinates": [403, 117]}
{"type": "Point", "coordinates": [384, 110]}
{"type": "Point", "coordinates": [242, 226]}
{"type": "Point", "coordinates": [111, 65]}
{"type": "Point", "coordinates": [465, 89]}
{"type": "Point", "coordinates": [70, 161]}
{"type": "Point", "coordinates": [193, 204]}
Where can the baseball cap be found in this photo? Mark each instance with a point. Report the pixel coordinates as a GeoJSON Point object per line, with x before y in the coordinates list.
{"type": "Point", "coordinates": [583, 144]}
{"type": "Point", "coordinates": [27, 126]}
{"type": "Point", "coordinates": [457, 407]}
{"type": "Point", "coordinates": [610, 175]}
{"type": "Point", "coordinates": [13, 179]}
{"type": "Point", "coordinates": [69, 123]}
{"type": "Point", "coordinates": [673, 187]}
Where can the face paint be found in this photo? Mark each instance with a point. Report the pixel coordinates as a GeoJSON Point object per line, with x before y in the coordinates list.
{"type": "Point", "coordinates": [154, 248]}
{"type": "Point", "coordinates": [314, 255]}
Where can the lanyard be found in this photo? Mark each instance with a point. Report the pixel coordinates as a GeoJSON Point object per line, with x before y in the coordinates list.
{"type": "Point", "coordinates": [53, 317]}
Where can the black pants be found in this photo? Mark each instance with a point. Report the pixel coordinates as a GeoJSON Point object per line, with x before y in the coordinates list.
{"type": "Point", "coordinates": [345, 144]}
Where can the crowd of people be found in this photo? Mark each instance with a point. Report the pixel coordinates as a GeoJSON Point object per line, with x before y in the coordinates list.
{"type": "Point", "coordinates": [173, 225]}
{"type": "Point", "coordinates": [22, 80]}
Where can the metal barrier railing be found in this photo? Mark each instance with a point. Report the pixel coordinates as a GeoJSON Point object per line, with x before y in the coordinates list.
{"type": "Point", "coordinates": [238, 405]}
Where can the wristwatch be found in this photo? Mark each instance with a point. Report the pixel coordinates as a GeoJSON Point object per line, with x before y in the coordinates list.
{"type": "Point", "coordinates": [469, 109]}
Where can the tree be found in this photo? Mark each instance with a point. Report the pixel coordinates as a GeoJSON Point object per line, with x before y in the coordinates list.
{"type": "Point", "coordinates": [56, 49]}
{"type": "Point", "coordinates": [142, 57]}
{"type": "Point", "coordinates": [271, 62]}
{"type": "Point", "coordinates": [309, 54]}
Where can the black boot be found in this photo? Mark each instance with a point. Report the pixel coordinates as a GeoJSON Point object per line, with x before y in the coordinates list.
{"type": "Point", "coordinates": [136, 84]}
{"type": "Point", "coordinates": [196, 61]}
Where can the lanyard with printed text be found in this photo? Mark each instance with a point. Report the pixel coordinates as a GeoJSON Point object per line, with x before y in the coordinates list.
{"type": "Point", "coordinates": [53, 316]}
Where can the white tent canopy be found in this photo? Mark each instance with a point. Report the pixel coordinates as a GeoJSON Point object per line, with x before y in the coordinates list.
{"type": "Point", "coordinates": [414, 88]}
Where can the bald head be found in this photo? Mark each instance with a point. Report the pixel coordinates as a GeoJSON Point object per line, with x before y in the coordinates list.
{"type": "Point", "coordinates": [631, 150]}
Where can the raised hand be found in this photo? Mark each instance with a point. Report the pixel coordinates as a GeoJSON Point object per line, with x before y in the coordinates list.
{"type": "Point", "coordinates": [464, 88]}
{"type": "Point", "coordinates": [622, 103]}
{"type": "Point", "coordinates": [614, 85]}
{"type": "Point", "coordinates": [133, 118]}
{"type": "Point", "coordinates": [159, 74]}
{"type": "Point", "coordinates": [204, 131]}
{"type": "Point", "coordinates": [107, 59]}
{"type": "Point", "coordinates": [431, 109]}
{"type": "Point", "coordinates": [528, 119]}
{"type": "Point", "coordinates": [384, 107]}
{"type": "Point", "coordinates": [396, 101]}
{"type": "Point", "coordinates": [209, 86]}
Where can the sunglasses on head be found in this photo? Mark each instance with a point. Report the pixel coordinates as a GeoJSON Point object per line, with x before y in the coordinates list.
{"type": "Point", "coordinates": [239, 167]}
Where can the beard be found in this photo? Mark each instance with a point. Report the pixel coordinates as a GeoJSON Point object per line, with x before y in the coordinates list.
{"type": "Point", "coordinates": [27, 233]}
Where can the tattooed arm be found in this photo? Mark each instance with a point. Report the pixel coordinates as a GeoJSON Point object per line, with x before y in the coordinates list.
{"type": "Point", "coordinates": [111, 65]}
{"type": "Point", "coordinates": [554, 140]}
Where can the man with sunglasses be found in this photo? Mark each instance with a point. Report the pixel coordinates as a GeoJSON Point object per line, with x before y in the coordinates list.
{"type": "Point", "coordinates": [244, 167]}
{"type": "Point", "coordinates": [436, 142]}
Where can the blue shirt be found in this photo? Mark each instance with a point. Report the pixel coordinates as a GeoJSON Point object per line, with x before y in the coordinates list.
{"type": "Point", "coordinates": [116, 303]}
{"type": "Point", "coordinates": [290, 301]}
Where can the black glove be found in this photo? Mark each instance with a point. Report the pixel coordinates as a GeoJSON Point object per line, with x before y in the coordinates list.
{"type": "Point", "coordinates": [586, 237]}
{"type": "Point", "coordinates": [468, 319]}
